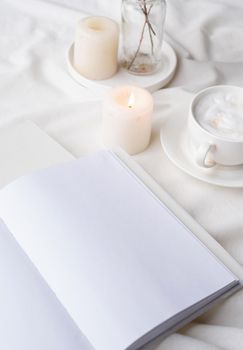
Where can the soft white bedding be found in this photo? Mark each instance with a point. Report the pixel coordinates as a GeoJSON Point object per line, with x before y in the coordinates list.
{"type": "Point", "coordinates": [34, 84]}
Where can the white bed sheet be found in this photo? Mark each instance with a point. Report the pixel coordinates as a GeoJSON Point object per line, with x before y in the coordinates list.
{"type": "Point", "coordinates": [34, 84]}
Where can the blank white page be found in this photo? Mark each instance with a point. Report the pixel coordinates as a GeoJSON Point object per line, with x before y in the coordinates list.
{"type": "Point", "coordinates": [117, 259]}
{"type": "Point", "coordinates": [31, 317]}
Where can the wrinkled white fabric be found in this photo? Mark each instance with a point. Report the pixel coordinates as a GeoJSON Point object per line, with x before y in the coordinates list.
{"type": "Point", "coordinates": [35, 84]}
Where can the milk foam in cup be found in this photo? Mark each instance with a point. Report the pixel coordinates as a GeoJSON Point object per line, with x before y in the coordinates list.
{"type": "Point", "coordinates": [221, 113]}
{"type": "Point", "coordinates": [215, 126]}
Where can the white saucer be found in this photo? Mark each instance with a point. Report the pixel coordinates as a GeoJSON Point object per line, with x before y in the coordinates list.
{"type": "Point", "coordinates": [151, 82]}
{"type": "Point", "coordinates": [173, 138]}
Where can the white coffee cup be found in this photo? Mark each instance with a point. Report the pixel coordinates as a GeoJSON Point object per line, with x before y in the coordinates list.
{"type": "Point", "coordinates": [207, 148]}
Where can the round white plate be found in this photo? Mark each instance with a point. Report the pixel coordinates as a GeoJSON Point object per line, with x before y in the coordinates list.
{"type": "Point", "coordinates": [151, 82]}
{"type": "Point", "coordinates": [173, 138]}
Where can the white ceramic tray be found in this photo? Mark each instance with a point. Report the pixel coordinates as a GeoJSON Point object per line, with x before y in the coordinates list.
{"type": "Point", "coordinates": [151, 82]}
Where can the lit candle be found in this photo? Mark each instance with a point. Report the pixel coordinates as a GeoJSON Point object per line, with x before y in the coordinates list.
{"type": "Point", "coordinates": [95, 47]}
{"type": "Point", "coordinates": [127, 119]}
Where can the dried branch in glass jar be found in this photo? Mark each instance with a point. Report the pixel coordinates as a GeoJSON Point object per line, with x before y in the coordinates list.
{"type": "Point", "coordinates": [142, 29]}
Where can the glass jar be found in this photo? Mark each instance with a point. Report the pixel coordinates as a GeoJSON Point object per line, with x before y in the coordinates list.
{"type": "Point", "coordinates": [142, 35]}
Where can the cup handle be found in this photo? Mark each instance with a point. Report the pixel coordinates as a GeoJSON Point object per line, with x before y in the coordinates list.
{"type": "Point", "coordinates": [202, 155]}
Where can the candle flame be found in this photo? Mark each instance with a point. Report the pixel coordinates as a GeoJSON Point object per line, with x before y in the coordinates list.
{"type": "Point", "coordinates": [131, 100]}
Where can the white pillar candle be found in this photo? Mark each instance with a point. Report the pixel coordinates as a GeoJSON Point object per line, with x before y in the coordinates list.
{"type": "Point", "coordinates": [95, 47]}
{"type": "Point", "coordinates": [127, 119]}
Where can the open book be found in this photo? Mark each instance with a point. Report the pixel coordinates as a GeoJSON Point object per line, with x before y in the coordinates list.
{"type": "Point", "coordinates": [96, 261]}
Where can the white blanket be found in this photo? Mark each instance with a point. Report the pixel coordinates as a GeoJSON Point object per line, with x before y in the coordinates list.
{"type": "Point", "coordinates": [34, 84]}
